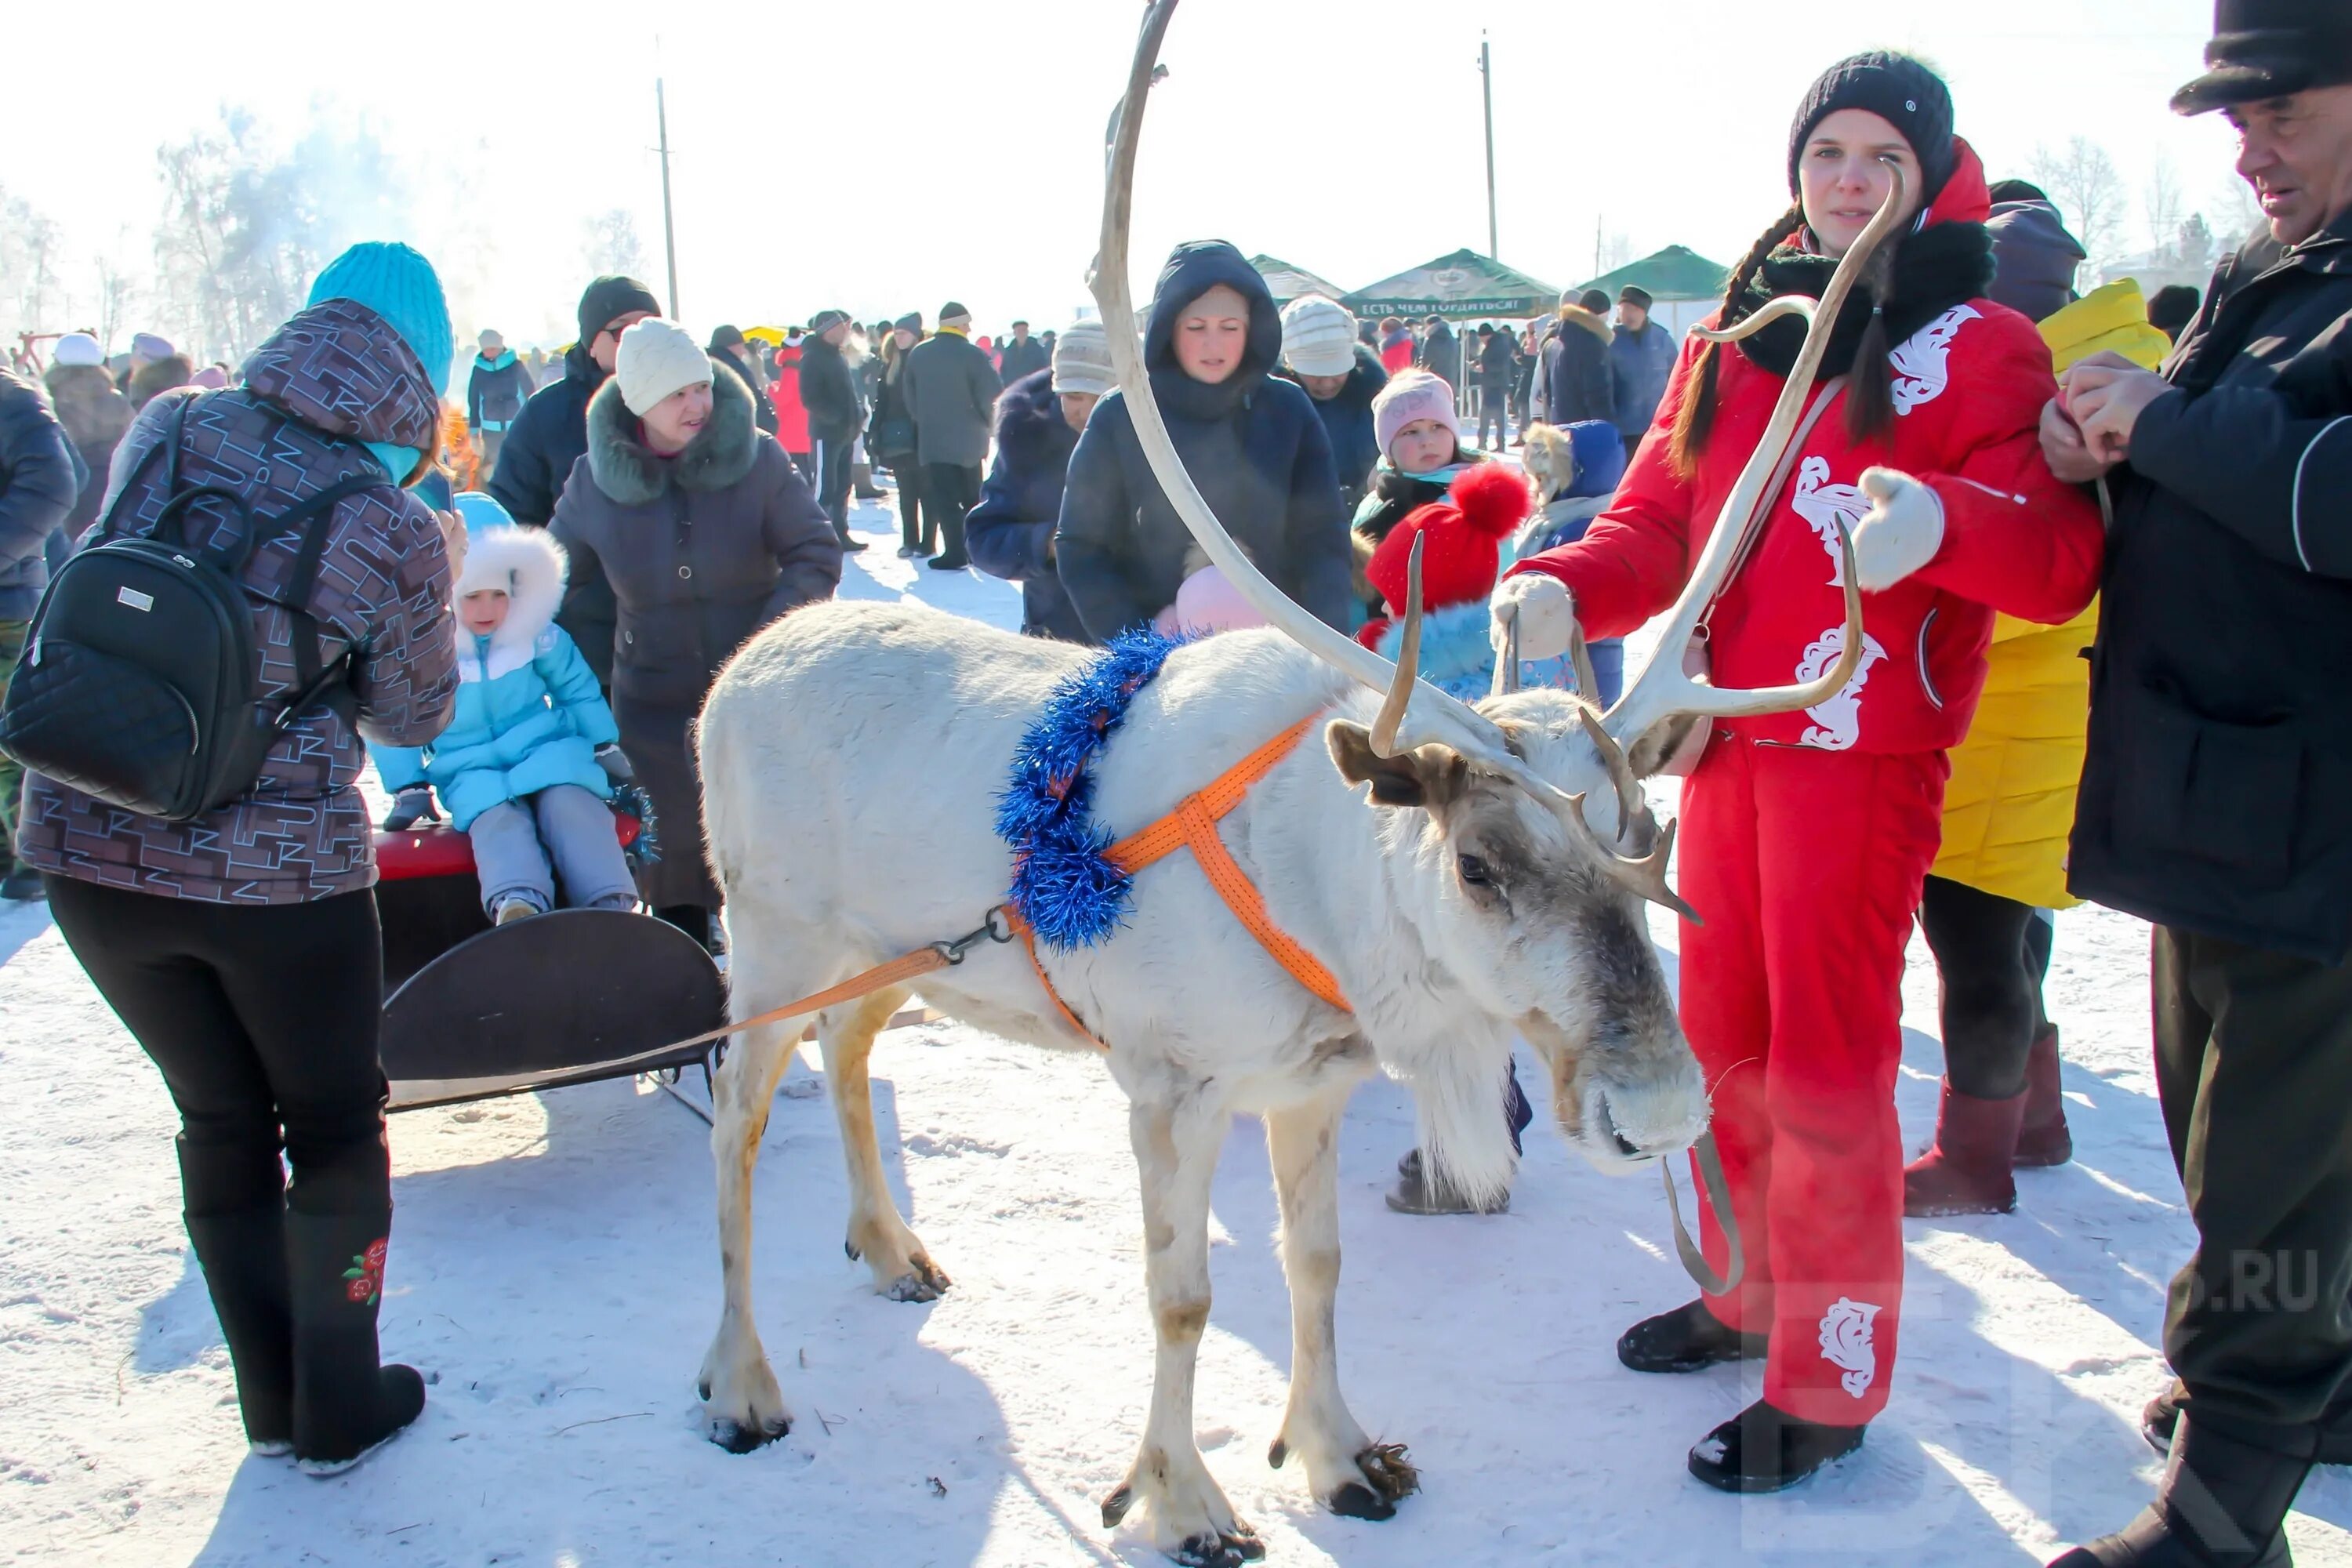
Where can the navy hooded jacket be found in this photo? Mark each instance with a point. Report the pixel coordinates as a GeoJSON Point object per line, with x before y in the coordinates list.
{"type": "Point", "coordinates": [1347, 416]}
{"type": "Point", "coordinates": [1253, 444]}
{"type": "Point", "coordinates": [1007, 534]}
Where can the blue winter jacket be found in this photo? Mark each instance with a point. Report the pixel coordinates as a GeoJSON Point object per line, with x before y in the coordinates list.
{"type": "Point", "coordinates": [1020, 504]}
{"type": "Point", "coordinates": [528, 715]}
{"type": "Point", "coordinates": [1253, 444]}
{"type": "Point", "coordinates": [1639, 365]}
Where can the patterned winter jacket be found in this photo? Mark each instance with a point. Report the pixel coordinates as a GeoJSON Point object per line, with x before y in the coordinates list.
{"type": "Point", "coordinates": [333, 377]}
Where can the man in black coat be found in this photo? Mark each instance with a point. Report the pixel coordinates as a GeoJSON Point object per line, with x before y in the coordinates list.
{"type": "Point", "coordinates": [2217, 792]}
{"type": "Point", "coordinates": [1441, 352]}
{"type": "Point", "coordinates": [835, 415]}
{"type": "Point", "coordinates": [1574, 380]}
{"type": "Point", "coordinates": [551, 433]}
{"type": "Point", "coordinates": [1022, 355]}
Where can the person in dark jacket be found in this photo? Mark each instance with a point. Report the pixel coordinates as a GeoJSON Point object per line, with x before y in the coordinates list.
{"type": "Point", "coordinates": [891, 436]}
{"type": "Point", "coordinates": [552, 432]}
{"type": "Point", "coordinates": [951, 389]}
{"type": "Point", "coordinates": [2038, 257]}
{"type": "Point", "coordinates": [829, 392]}
{"type": "Point", "coordinates": [1252, 443]}
{"type": "Point", "coordinates": [1440, 352]}
{"type": "Point", "coordinates": [2171, 307]}
{"type": "Point", "coordinates": [1021, 356]}
{"type": "Point", "coordinates": [1577, 382]}
{"type": "Point", "coordinates": [701, 533]}
{"type": "Point", "coordinates": [40, 479]}
{"type": "Point", "coordinates": [241, 949]}
{"type": "Point", "coordinates": [94, 415]}
{"type": "Point", "coordinates": [1322, 351]}
{"type": "Point", "coordinates": [730, 348]}
{"type": "Point", "coordinates": [1640, 361]}
{"type": "Point", "coordinates": [1010, 532]}
{"type": "Point", "coordinates": [1498, 368]}
{"type": "Point", "coordinates": [496, 390]}
{"type": "Point", "coordinates": [2216, 799]}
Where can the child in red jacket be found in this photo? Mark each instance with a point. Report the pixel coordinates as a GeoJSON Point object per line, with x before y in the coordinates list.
{"type": "Point", "coordinates": [1806, 835]}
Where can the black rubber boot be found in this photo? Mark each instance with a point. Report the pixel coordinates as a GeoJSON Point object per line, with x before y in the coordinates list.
{"type": "Point", "coordinates": [1762, 1449]}
{"type": "Point", "coordinates": [2157, 1421]}
{"type": "Point", "coordinates": [244, 1259]}
{"type": "Point", "coordinates": [2223, 1504]}
{"type": "Point", "coordinates": [345, 1401]}
{"type": "Point", "coordinates": [1687, 1338]}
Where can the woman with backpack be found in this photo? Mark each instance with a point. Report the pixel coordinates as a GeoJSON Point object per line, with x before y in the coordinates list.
{"type": "Point", "coordinates": [240, 947]}
{"type": "Point", "coordinates": [1806, 837]}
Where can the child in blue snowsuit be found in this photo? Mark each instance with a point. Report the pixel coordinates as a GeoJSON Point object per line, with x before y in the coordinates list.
{"type": "Point", "coordinates": [532, 754]}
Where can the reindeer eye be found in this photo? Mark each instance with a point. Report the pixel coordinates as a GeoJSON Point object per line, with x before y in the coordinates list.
{"type": "Point", "coordinates": [1474, 872]}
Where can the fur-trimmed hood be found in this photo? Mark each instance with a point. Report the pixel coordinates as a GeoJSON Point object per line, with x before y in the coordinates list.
{"type": "Point", "coordinates": [531, 568]}
{"type": "Point", "coordinates": [1578, 316]}
{"type": "Point", "coordinates": [88, 404]}
{"type": "Point", "coordinates": [1030, 429]}
{"type": "Point", "coordinates": [626, 471]}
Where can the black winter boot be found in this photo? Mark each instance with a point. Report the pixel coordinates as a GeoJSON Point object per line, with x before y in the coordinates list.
{"type": "Point", "coordinates": [1686, 1340]}
{"type": "Point", "coordinates": [2223, 1504]}
{"type": "Point", "coordinates": [345, 1401]}
{"type": "Point", "coordinates": [1762, 1449]}
{"type": "Point", "coordinates": [2162, 1414]}
{"type": "Point", "coordinates": [244, 1259]}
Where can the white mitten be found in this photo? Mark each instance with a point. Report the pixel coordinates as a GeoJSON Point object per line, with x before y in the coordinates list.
{"type": "Point", "coordinates": [1899, 534]}
{"type": "Point", "coordinates": [1546, 615]}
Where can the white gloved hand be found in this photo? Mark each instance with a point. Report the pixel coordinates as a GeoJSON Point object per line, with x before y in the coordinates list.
{"type": "Point", "coordinates": [1900, 534]}
{"type": "Point", "coordinates": [1547, 614]}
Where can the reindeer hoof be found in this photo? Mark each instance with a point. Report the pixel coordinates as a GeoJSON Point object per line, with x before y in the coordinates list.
{"type": "Point", "coordinates": [851, 1248]}
{"type": "Point", "coordinates": [1225, 1550]}
{"type": "Point", "coordinates": [738, 1439]}
{"type": "Point", "coordinates": [924, 1282]}
{"type": "Point", "coordinates": [1115, 1507]}
{"type": "Point", "coordinates": [1388, 1475]}
{"type": "Point", "coordinates": [1273, 1456]}
{"type": "Point", "coordinates": [1356, 1500]}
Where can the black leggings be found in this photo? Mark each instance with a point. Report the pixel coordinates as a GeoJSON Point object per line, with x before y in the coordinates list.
{"type": "Point", "coordinates": [264, 1019]}
{"type": "Point", "coordinates": [1993, 953]}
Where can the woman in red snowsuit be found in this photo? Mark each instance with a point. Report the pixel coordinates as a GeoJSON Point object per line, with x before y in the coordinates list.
{"type": "Point", "coordinates": [1806, 835]}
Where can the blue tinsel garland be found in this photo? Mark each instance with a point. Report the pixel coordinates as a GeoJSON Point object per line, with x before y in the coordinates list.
{"type": "Point", "coordinates": [1063, 882]}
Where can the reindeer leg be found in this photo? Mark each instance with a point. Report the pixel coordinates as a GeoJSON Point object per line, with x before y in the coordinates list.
{"type": "Point", "coordinates": [902, 1269]}
{"type": "Point", "coordinates": [1346, 1471]}
{"type": "Point", "coordinates": [745, 1408]}
{"type": "Point", "coordinates": [1176, 1145]}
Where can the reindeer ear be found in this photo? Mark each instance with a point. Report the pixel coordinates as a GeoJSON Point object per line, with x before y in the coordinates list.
{"type": "Point", "coordinates": [1659, 741]}
{"type": "Point", "coordinates": [1428, 777]}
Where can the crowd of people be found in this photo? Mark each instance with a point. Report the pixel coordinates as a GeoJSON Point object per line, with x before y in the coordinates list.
{"type": "Point", "coordinates": [1999, 449]}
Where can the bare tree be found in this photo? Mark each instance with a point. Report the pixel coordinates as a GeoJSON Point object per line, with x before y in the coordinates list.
{"type": "Point", "coordinates": [609, 240]}
{"type": "Point", "coordinates": [116, 295]}
{"type": "Point", "coordinates": [2082, 179]}
{"type": "Point", "coordinates": [31, 292]}
{"type": "Point", "coordinates": [2161, 201]}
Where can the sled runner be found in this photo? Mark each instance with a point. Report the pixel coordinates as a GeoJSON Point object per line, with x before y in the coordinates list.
{"type": "Point", "coordinates": [570, 996]}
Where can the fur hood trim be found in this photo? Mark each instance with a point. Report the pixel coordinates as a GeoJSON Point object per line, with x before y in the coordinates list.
{"type": "Point", "coordinates": [630, 475]}
{"type": "Point", "coordinates": [530, 566]}
{"type": "Point", "coordinates": [1577, 315]}
{"type": "Point", "coordinates": [1029, 422]}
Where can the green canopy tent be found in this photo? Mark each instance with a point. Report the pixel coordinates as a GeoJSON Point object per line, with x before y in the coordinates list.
{"type": "Point", "coordinates": [1465, 286]}
{"type": "Point", "coordinates": [1685, 286]}
{"type": "Point", "coordinates": [1289, 283]}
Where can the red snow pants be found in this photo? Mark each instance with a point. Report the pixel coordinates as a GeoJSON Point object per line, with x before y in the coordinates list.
{"type": "Point", "coordinates": [1806, 865]}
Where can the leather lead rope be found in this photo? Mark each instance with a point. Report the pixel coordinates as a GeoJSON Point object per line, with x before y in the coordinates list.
{"type": "Point", "coordinates": [1709, 1161]}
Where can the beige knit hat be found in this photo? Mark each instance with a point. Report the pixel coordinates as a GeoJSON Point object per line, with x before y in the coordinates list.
{"type": "Point", "coordinates": [656, 358]}
{"type": "Point", "coordinates": [1318, 336]}
{"type": "Point", "coordinates": [1082, 360]}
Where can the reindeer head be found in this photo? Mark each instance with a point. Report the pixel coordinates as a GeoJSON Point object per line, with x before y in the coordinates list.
{"type": "Point", "coordinates": [1534, 837]}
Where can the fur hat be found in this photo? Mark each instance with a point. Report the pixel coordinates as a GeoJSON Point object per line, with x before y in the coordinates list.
{"type": "Point", "coordinates": [1082, 360]}
{"type": "Point", "coordinates": [1486, 503]}
{"type": "Point", "coordinates": [1550, 460]}
{"type": "Point", "coordinates": [77, 348]}
{"type": "Point", "coordinates": [525, 564]}
{"type": "Point", "coordinates": [656, 358]}
{"type": "Point", "coordinates": [1413, 394]}
{"type": "Point", "coordinates": [1318, 336]}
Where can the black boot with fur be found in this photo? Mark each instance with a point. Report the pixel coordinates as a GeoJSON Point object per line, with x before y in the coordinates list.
{"type": "Point", "coordinates": [345, 1401]}
{"type": "Point", "coordinates": [1687, 1338]}
{"type": "Point", "coordinates": [1763, 1449]}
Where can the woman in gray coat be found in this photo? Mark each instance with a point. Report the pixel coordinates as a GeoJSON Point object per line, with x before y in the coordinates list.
{"type": "Point", "coordinates": [706, 533]}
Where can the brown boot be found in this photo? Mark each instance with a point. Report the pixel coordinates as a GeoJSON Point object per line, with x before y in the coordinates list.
{"type": "Point", "coordinates": [2042, 1136]}
{"type": "Point", "coordinates": [1967, 1171]}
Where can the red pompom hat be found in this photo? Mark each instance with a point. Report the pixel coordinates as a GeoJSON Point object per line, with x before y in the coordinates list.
{"type": "Point", "coordinates": [1486, 503]}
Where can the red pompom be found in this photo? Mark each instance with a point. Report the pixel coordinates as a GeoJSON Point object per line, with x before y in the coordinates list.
{"type": "Point", "coordinates": [1491, 498]}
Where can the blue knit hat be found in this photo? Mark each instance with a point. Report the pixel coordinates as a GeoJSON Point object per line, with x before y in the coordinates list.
{"type": "Point", "coordinates": [401, 286]}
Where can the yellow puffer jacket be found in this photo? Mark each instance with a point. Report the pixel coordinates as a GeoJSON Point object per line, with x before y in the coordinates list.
{"type": "Point", "coordinates": [2010, 802]}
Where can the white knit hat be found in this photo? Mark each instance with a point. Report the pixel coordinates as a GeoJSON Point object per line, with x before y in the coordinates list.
{"type": "Point", "coordinates": [1413, 394]}
{"type": "Point", "coordinates": [1082, 360]}
{"type": "Point", "coordinates": [656, 358]}
{"type": "Point", "coordinates": [1318, 336]}
{"type": "Point", "coordinates": [77, 348]}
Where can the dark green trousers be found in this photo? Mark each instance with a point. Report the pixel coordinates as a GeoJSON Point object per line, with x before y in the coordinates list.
{"type": "Point", "coordinates": [2253, 1062]}
{"type": "Point", "coordinates": [12, 777]}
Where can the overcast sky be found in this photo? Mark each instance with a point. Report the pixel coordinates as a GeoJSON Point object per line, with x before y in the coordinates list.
{"type": "Point", "coordinates": [887, 154]}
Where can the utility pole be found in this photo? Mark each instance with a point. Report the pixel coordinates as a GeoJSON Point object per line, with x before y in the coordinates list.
{"type": "Point", "coordinates": [1487, 82]}
{"type": "Point", "coordinates": [669, 231]}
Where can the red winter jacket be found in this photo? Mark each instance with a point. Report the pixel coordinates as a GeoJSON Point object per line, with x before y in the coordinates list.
{"type": "Point", "coordinates": [1968, 391]}
{"type": "Point", "coordinates": [785, 391]}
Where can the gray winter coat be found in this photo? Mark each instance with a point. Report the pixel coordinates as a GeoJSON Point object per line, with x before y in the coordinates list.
{"type": "Point", "coordinates": [38, 487]}
{"type": "Point", "coordinates": [950, 391]}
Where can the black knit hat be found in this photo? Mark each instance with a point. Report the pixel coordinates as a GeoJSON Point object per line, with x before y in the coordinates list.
{"type": "Point", "coordinates": [2270, 48]}
{"type": "Point", "coordinates": [609, 299]}
{"type": "Point", "coordinates": [1899, 90]}
{"type": "Point", "coordinates": [725, 338]}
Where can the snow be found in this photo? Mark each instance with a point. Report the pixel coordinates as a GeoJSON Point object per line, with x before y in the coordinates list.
{"type": "Point", "coordinates": [553, 1271]}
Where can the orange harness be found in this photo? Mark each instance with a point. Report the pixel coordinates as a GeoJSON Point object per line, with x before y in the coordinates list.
{"type": "Point", "coordinates": [1193, 824]}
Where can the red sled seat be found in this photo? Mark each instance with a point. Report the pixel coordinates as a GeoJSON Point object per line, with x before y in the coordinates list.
{"type": "Point", "coordinates": [441, 850]}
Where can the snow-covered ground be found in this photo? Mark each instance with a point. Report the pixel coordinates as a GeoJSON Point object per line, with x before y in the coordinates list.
{"type": "Point", "coordinates": [553, 1270]}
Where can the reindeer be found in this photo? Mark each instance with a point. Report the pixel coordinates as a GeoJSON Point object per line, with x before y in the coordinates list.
{"type": "Point", "coordinates": [1467, 874]}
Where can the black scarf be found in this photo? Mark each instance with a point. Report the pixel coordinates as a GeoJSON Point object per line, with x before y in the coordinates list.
{"type": "Point", "coordinates": [1934, 270]}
